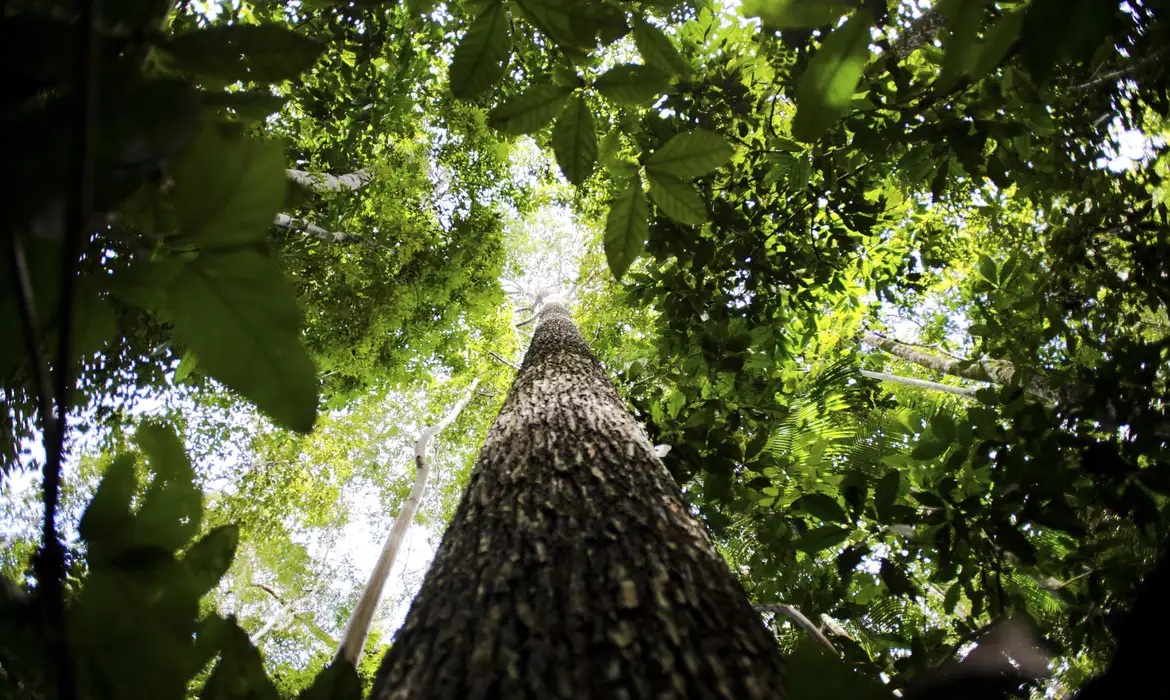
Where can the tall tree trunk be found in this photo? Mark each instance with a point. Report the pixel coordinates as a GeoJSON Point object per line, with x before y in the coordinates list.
{"type": "Point", "coordinates": [573, 568]}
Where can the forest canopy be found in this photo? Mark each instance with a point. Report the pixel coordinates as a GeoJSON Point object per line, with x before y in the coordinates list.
{"type": "Point", "coordinates": [886, 282]}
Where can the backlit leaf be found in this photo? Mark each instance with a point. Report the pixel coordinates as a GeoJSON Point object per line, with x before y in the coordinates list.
{"type": "Point", "coordinates": [632, 84]}
{"type": "Point", "coordinates": [677, 199]}
{"type": "Point", "coordinates": [481, 57]}
{"type": "Point", "coordinates": [626, 227]}
{"type": "Point", "coordinates": [265, 53]}
{"type": "Point", "coordinates": [690, 154]}
{"type": "Point", "coordinates": [530, 111]}
{"type": "Point", "coordinates": [826, 89]}
{"type": "Point", "coordinates": [238, 315]}
{"type": "Point", "coordinates": [574, 141]}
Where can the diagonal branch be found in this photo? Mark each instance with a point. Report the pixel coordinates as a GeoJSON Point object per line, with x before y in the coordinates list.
{"type": "Point", "coordinates": [324, 182]}
{"type": "Point", "coordinates": [312, 230]}
{"type": "Point", "coordinates": [801, 621]}
{"type": "Point", "coordinates": [358, 629]}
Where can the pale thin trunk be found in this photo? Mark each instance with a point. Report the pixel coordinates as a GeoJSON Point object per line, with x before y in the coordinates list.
{"type": "Point", "coordinates": [324, 182]}
{"type": "Point", "coordinates": [801, 621]}
{"type": "Point", "coordinates": [920, 383]}
{"type": "Point", "coordinates": [358, 629]}
{"type": "Point", "coordinates": [312, 230]}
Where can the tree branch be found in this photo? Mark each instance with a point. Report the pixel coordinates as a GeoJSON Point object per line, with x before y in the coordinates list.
{"type": "Point", "coordinates": [500, 359]}
{"type": "Point", "coordinates": [324, 182]}
{"type": "Point", "coordinates": [353, 640]}
{"type": "Point", "coordinates": [920, 383]}
{"type": "Point", "coordinates": [312, 230]}
{"type": "Point", "coordinates": [1123, 72]}
{"type": "Point", "coordinates": [801, 621]}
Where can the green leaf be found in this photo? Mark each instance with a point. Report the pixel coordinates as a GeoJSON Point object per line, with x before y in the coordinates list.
{"type": "Point", "coordinates": [886, 493]}
{"type": "Point", "coordinates": [998, 40]}
{"type": "Point", "coordinates": [928, 448]}
{"type": "Point", "coordinates": [186, 365]}
{"type": "Point", "coordinates": [529, 111]}
{"type": "Point", "coordinates": [247, 106]}
{"type": "Point", "coordinates": [227, 189]}
{"type": "Point", "coordinates": [632, 84]}
{"type": "Point", "coordinates": [821, 506]}
{"type": "Point", "coordinates": [821, 538]}
{"type": "Point", "coordinates": [339, 681]}
{"type": "Point", "coordinates": [266, 53]}
{"type": "Point", "coordinates": [626, 227]}
{"type": "Point", "coordinates": [951, 599]}
{"type": "Point", "coordinates": [238, 315]}
{"type": "Point", "coordinates": [572, 24]}
{"type": "Point", "coordinates": [690, 154]}
{"type": "Point", "coordinates": [813, 673]}
{"type": "Point", "coordinates": [960, 43]}
{"type": "Point", "coordinates": [896, 579]}
{"type": "Point", "coordinates": [943, 426]}
{"type": "Point", "coordinates": [574, 141]}
{"type": "Point", "coordinates": [657, 49]}
{"type": "Point", "coordinates": [797, 14]}
{"type": "Point", "coordinates": [208, 559]}
{"type": "Point", "coordinates": [825, 91]}
{"type": "Point", "coordinates": [677, 199]}
{"type": "Point", "coordinates": [239, 674]}
{"type": "Point", "coordinates": [481, 57]}
{"type": "Point", "coordinates": [172, 508]}
{"type": "Point", "coordinates": [987, 269]}
{"type": "Point", "coordinates": [108, 513]}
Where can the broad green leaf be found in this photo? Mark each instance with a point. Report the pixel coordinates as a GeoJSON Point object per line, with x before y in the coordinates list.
{"type": "Point", "coordinates": [987, 269]}
{"type": "Point", "coordinates": [187, 364]}
{"type": "Point", "coordinates": [895, 578]}
{"type": "Point", "coordinates": [481, 57]}
{"type": "Point", "coordinates": [961, 43]}
{"type": "Point", "coordinates": [247, 106]}
{"type": "Point", "coordinates": [943, 427]}
{"type": "Point", "coordinates": [657, 49]}
{"type": "Point", "coordinates": [530, 111]}
{"type": "Point", "coordinates": [821, 506]}
{"type": "Point", "coordinates": [339, 681]}
{"type": "Point", "coordinates": [632, 84]}
{"type": "Point", "coordinates": [227, 188]}
{"type": "Point", "coordinates": [626, 227]}
{"type": "Point", "coordinates": [239, 674]}
{"type": "Point", "coordinates": [172, 508]}
{"type": "Point", "coordinates": [108, 512]}
{"type": "Point", "coordinates": [238, 315]}
{"type": "Point", "coordinates": [797, 14]}
{"type": "Point", "coordinates": [825, 91]}
{"type": "Point", "coordinates": [813, 673]}
{"type": "Point", "coordinates": [265, 53]}
{"type": "Point", "coordinates": [821, 538]}
{"type": "Point", "coordinates": [567, 22]}
{"type": "Point", "coordinates": [690, 154]}
{"type": "Point", "coordinates": [677, 199]}
{"type": "Point", "coordinates": [208, 559]}
{"type": "Point", "coordinates": [886, 492]}
{"type": "Point", "coordinates": [574, 141]}
{"type": "Point", "coordinates": [675, 401]}
{"type": "Point", "coordinates": [928, 448]}
{"type": "Point", "coordinates": [997, 41]}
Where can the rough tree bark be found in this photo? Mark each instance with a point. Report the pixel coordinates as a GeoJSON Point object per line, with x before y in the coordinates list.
{"type": "Point", "coordinates": [573, 568]}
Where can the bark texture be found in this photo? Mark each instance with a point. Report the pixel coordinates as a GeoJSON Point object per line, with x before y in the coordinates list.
{"type": "Point", "coordinates": [573, 567]}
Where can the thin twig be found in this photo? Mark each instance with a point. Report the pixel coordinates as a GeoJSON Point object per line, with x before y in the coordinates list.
{"type": "Point", "coordinates": [1122, 72]}
{"type": "Point", "coordinates": [506, 362]}
{"type": "Point", "coordinates": [801, 621]}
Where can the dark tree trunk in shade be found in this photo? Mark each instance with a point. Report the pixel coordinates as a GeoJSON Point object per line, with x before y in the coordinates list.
{"type": "Point", "coordinates": [573, 567]}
